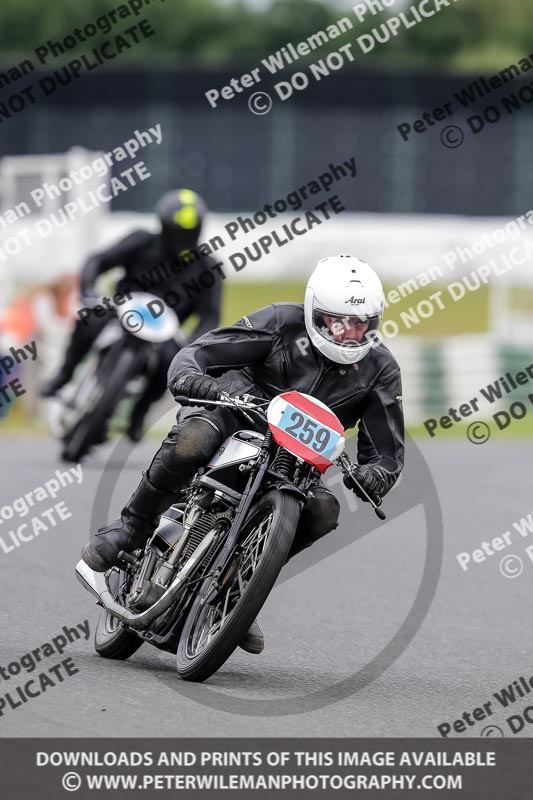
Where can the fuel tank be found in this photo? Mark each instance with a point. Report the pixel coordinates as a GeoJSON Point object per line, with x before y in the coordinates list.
{"type": "Point", "coordinates": [238, 449]}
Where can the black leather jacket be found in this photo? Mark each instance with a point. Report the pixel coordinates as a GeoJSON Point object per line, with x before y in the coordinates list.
{"type": "Point", "coordinates": [268, 352]}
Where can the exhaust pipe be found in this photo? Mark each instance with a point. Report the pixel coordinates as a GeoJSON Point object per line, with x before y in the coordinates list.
{"type": "Point", "coordinates": [96, 584]}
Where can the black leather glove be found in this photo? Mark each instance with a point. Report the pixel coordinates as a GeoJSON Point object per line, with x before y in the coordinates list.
{"type": "Point", "coordinates": [370, 480]}
{"type": "Point", "coordinates": [200, 387]}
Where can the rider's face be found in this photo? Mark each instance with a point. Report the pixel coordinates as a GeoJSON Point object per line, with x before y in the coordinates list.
{"type": "Point", "coordinates": [346, 329]}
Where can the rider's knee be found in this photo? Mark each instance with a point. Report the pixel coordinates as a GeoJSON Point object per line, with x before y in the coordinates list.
{"type": "Point", "coordinates": [190, 444]}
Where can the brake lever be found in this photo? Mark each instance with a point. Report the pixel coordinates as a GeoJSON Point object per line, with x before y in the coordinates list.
{"type": "Point", "coordinates": [345, 463]}
{"type": "Point", "coordinates": [234, 403]}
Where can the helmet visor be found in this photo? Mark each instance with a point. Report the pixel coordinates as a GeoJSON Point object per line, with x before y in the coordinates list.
{"type": "Point", "coordinates": [176, 238]}
{"type": "Point", "coordinates": [347, 330]}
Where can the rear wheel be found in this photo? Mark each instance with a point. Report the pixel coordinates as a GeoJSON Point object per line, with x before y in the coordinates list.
{"type": "Point", "coordinates": [112, 639]}
{"type": "Point", "coordinates": [111, 381]}
{"type": "Point", "coordinates": [212, 631]}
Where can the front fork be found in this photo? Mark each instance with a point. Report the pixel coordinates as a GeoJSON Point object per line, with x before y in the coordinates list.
{"type": "Point", "coordinates": [226, 559]}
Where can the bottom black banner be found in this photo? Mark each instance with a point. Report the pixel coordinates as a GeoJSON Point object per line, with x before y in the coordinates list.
{"type": "Point", "coordinates": [265, 768]}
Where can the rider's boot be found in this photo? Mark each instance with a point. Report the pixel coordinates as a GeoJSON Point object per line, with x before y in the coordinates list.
{"type": "Point", "coordinates": [253, 641]}
{"type": "Point", "coordinates": [138, 520]}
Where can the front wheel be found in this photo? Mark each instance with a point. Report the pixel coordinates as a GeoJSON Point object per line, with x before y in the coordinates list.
{"type": "Point", "coordinates": [213, 631]}
{"type": "Point", "coordinates": [112, 377]}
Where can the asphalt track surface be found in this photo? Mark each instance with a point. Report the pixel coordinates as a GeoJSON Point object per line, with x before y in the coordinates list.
{"type": "Point", "coordinates": [323, 624]}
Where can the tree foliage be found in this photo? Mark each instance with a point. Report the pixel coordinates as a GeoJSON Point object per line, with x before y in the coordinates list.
{"type": "Point", "coordinates": [470, 35]}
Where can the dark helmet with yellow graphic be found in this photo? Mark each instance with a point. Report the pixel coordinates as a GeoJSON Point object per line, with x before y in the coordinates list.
{"type": "Point", "coordinates": [181, 214]}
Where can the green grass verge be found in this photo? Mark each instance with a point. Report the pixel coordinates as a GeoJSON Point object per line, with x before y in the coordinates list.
{"type": "Point", "coordinates": [242, 297]}
{"type": "Point", "coordinates": [518, 429]}
{"type": "Point", "coordinates": [469, 315]}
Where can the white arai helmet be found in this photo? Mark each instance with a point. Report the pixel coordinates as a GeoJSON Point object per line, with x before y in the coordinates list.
{"type": "Point", "coordinates": [343, 288]}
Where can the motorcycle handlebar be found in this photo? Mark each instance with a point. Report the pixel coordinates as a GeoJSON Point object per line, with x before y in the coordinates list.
{"type": "Point", "coordinates": [225, 400]}
{"type": "Point", "coordinates": [222, 400]}
{"type": "Point", "coordinates": [236, 402]}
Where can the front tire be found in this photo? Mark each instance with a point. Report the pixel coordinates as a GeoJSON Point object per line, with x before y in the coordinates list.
{"type": "Point", "coordinates": [112, 639]}
{"type": "Point", "coordinates": [112, 379]}
{"type": "Point", "coordinates": [212, 632]}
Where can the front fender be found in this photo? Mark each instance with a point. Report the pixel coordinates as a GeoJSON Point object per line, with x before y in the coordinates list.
{"type": "Point", "coordinates": [289, 488]}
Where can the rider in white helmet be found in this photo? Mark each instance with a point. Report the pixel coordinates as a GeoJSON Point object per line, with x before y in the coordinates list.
{"type": "Point", "coordinates": [344, 302]}
{"type": "Point", "coordinates": [326, 347]}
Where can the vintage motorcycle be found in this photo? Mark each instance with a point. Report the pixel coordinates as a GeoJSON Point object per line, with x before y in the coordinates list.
{"type": "Point", "coordinates": [210, 565]}
{"type": "Point", "coordinates": [119, 366]}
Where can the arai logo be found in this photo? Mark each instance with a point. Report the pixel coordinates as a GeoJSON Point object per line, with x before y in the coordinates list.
{"type": "Point", "coordinates": [355, 300]}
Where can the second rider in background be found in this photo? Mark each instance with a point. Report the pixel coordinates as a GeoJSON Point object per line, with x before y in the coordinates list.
{"type": "Point", "coordinates": [181, 214]}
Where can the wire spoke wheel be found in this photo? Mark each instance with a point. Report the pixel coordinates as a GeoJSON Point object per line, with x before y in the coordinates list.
{"type": "Point", "coordinates": [212, 621]}
{"type": "Point", "coordinates": [113, 374]}
{"type": "Point", "coordinates": [213, 630]}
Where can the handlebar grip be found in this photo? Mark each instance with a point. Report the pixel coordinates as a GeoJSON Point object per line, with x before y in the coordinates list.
{"type": "Point", "coordinates": [183, 401]}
